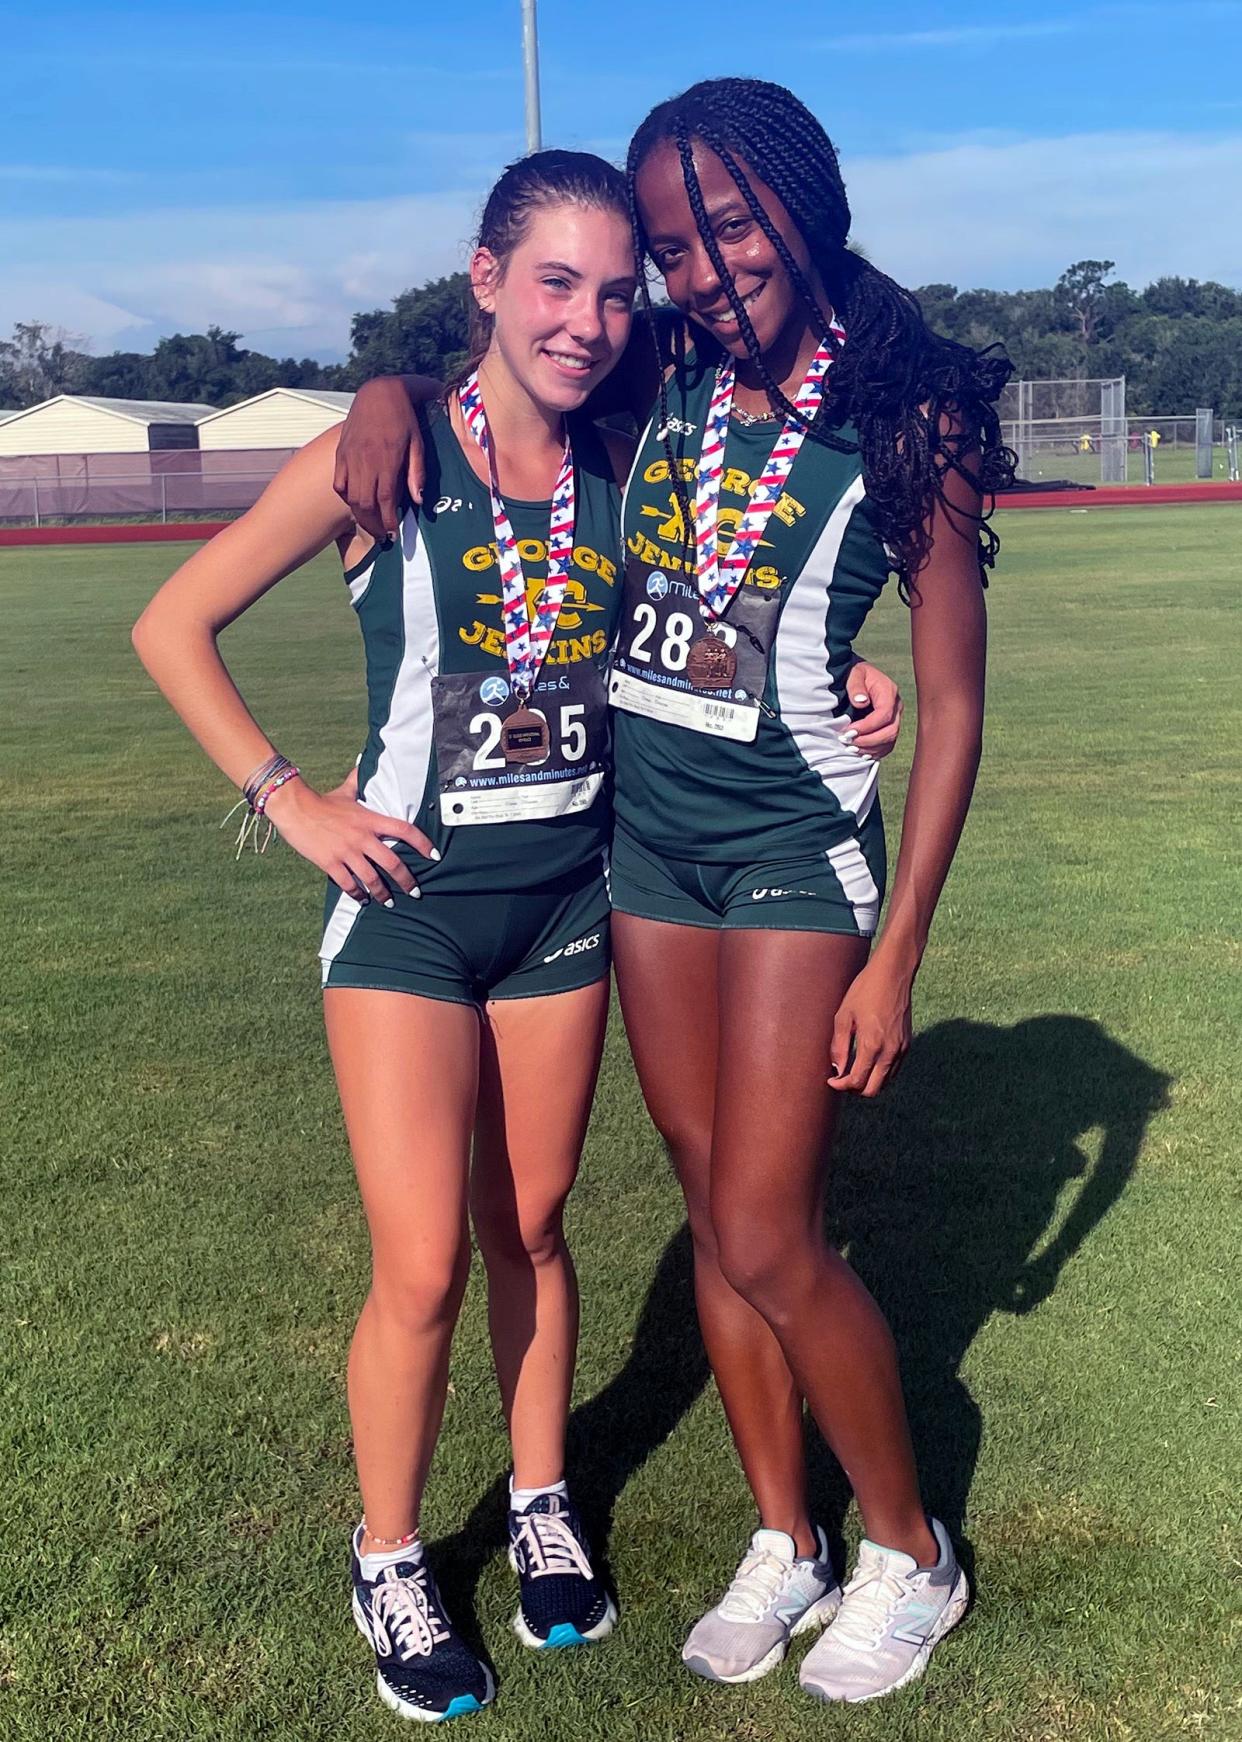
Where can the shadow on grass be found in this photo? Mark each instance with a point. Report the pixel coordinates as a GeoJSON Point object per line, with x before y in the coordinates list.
{"type": "Point", "coordinates": [945, 1196]}
{"type": "Point", "coordinates": [947, 1199]}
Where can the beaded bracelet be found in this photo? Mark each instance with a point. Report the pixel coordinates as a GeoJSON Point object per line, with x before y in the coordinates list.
{"type": "Point", "coordinates": [258, 788]}
{"type": "Point", "coordinates": [273, 783]}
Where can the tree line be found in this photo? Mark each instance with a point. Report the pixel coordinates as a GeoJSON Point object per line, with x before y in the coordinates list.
{"type": "Point", "coordinates": [1178, 342]}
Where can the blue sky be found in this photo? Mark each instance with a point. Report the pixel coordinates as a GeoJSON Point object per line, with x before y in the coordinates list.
{"type": "Point", "coordinates": [276, 167]}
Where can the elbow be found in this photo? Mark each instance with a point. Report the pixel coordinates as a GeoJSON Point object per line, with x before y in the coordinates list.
{"type": "Point", "coordinates": [142, 636]}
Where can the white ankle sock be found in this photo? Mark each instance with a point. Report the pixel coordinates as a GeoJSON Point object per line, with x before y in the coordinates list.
{"type": "Point", "coordinates": [521, 1498]}
{"type": "Point", "coordinates": [374, 1563]}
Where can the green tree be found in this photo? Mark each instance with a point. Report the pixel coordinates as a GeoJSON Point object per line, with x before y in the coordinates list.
{"type": "Point", "coordinates": [39, 361]}
{"type": "Point", "coordinates": [1082, 293]}
{"type": "Point", "coordinates": [425, 333]}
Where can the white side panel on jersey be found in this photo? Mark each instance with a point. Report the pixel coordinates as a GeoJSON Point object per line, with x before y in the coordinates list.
{"type": "Point", "coordinates": [400, 778]}
{"type": "Point", "coordinates": [340, 924]}
{"type": "Point", "coordinates": [800, 665]}
{"type": "Point", "coordinates": [361, 581]}
{"type": "Point", "coordinates": [854, 876]}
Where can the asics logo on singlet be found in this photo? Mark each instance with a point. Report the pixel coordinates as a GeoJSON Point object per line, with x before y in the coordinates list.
{"type": "Point", "coordinates": [578, 946]}
{"type": "Point", "coordinates": [657, 586]}
{"type": "Point", "coordinates": [676, 426]}
{"type": "Point", "coordinates": [493, 690]}
{"type": "Point", "coordinates": [769, 894]}
{"type": "Point", "coordinates": [447, 505]}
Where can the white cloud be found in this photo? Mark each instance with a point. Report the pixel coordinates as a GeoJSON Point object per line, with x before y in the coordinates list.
{"type": "Point", "coordinates": [287, 277]}
{"type": "Point", "coordinates": [1014, 214]}
{"type": "Point", "coordinates": [956, 36]}
{"type": "Point", "coordinates": [999, 212]}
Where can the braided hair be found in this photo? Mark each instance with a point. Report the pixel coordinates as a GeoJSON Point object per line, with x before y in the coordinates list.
{"type": "Point", "coordinates": [922, 405]}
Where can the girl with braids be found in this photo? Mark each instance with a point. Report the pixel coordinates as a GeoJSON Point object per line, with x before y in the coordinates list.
{"type": "Point", "coordinates": [810, 437]}
{"type": "Point", "coordinates": [465, 950]}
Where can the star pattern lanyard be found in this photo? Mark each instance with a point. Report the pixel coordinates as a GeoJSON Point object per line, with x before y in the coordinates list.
{"type": "Point", "coordinates": [720, 576]}
{"type": "Point", "coordinates": [526, 642]}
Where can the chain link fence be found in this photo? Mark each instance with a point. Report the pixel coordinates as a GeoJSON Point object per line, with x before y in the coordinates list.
{"type": "Point", "coordinates": [50, 489]}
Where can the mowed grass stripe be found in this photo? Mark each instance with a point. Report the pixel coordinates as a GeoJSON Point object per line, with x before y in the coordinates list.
{"type": "Point", "coordinates": [1045, 1203]}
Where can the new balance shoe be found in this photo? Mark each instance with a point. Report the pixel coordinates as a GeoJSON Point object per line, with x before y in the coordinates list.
{"type": "Point", "coordinates": [563, 1601]}
{"type": "Point", "coordinates": [893, 1614]}
{"type": "Point", "coordinates": [775, 1595]}
{"type": "Point", "coordinates": [423, 1668]}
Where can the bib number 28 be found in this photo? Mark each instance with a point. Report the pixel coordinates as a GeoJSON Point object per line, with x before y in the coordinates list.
{"type": "Point", "coordinates": [674, 649]}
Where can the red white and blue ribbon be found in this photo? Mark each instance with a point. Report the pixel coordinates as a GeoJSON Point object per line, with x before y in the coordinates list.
{"type": "Point", "coordinates": [526, 642]}
{"type": "Point", "coordinates": [721, 576]}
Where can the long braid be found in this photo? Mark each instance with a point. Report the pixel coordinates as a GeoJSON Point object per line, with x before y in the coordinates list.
{"type": "Point", "coordinates": [922, 405]}
{"type": "Point", "coordinates": [644, 291]}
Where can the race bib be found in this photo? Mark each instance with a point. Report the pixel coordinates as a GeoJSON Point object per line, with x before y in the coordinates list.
{"type": "Point", "coordinates": [479, 783]}
{"type": "Point", "coordinates": [672, 666]}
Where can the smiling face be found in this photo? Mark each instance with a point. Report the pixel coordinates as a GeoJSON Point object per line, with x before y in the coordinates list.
{"type": "Point", "coordinates": [562, 301]}
{"type": "Point", "coordinates": [776, 311]}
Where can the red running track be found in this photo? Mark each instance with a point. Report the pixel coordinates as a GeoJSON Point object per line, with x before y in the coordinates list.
{"type": "Point", "coordinates": [1109, 496]}
{"type": "Point", "coordinates": [191, 529]}
{"type": "Point", "coordinates": [1122, 496]}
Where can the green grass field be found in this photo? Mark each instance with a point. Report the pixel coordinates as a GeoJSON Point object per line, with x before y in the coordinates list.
{"type": "Point", "coordinates": [1174, 465]}
{"type": "Point", "coordinates": [1046, 1204]}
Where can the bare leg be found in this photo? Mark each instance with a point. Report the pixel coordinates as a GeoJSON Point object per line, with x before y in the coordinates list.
{"type": "Point", "coordinates": [778, 995]}
{"type": "Point", "coordinates": [540, 1059]}
{"type": "Point", "coordinates": [667, 977]}
{"type": "Point", "coordinates": [407, 1069]}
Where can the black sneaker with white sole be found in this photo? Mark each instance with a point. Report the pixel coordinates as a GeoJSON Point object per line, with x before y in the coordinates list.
{"type": "Point", "coordinates": [423, 1668]}
{"type": "Point", "coordinates": [563, 1600]}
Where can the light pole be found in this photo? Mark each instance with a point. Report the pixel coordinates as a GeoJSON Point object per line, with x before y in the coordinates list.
{"type": "Point", "coordinates": [530, 67]}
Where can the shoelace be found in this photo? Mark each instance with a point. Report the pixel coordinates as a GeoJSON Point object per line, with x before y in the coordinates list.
{"type": "Point", "coordinates": [868, 1603]}
{"type": "Point", "coordinates": [402, 1611]}
{"type": "Point", "coordinates": [551, 1546]}
{"type": "Point", "coordinates": [755, 1584]}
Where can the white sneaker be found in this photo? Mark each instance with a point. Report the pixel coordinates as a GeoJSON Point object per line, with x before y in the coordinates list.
{"type": "Point", "coordinates": [774, 1595]}
{"type": "Point", "coordinates": [892, 1614]}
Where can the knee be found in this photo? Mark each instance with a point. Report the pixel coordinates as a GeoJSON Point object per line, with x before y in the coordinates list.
{"type": "Point", "coordinates": [414, 1300]}
{"type": "Point", "coordinates": [520, 1234]}
{"type": "Point", "coordinates": [768, 1273]}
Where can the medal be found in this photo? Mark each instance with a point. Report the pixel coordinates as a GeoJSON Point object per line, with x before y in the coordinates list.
{"type": "Point", "coordinates": [720, 577]}
{"type": "Point", "coordinates": [526, 642]}
{"type": "Point", "coordinates": [524, 736]}
{"type": "Point", "coordinates": [711, 663]}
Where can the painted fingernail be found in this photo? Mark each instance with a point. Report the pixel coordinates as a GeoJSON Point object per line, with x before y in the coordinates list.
{"type": "Point", "coordinates": [860, 701]}
{"type": "Point", "coordinates": [390, 902]}
{"type": "Point", "coordinates": [435, 854]}
{"type": "Point", "coordinates": [417, 893]}
{"type": "Point", "coordinates": [848, 737]}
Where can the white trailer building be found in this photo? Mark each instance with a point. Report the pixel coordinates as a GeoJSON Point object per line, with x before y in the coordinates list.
{"type": "Point", "coordinates": [74, 423]}
{"type": "Point", "coordinates": [283, 417]}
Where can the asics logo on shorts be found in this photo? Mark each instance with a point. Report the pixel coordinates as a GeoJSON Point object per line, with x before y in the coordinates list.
{"type": "Point", "coordinates": [577, 948]}
{"type": "Point", "coordinates": [767, 894]}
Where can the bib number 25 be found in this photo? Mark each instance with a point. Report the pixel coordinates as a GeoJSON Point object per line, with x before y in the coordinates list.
{"type": "Point", "coordinates": [570, 729]}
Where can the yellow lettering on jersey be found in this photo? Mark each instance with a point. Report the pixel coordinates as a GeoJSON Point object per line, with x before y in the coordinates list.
{"type": "Point", "coordinates": [480, 556]}
{"type": "Point", "coordinates": [658, 473]}
{"type": "Point", "coordinates": [735, 483]}
{"type": "Point", "coordinates": [788, 509]}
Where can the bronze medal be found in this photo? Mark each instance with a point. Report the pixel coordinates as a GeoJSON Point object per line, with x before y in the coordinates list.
{"type": "Point", "coordinates": [524, 737]}
{"type": "Point", "coordinates": [711, 663]}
